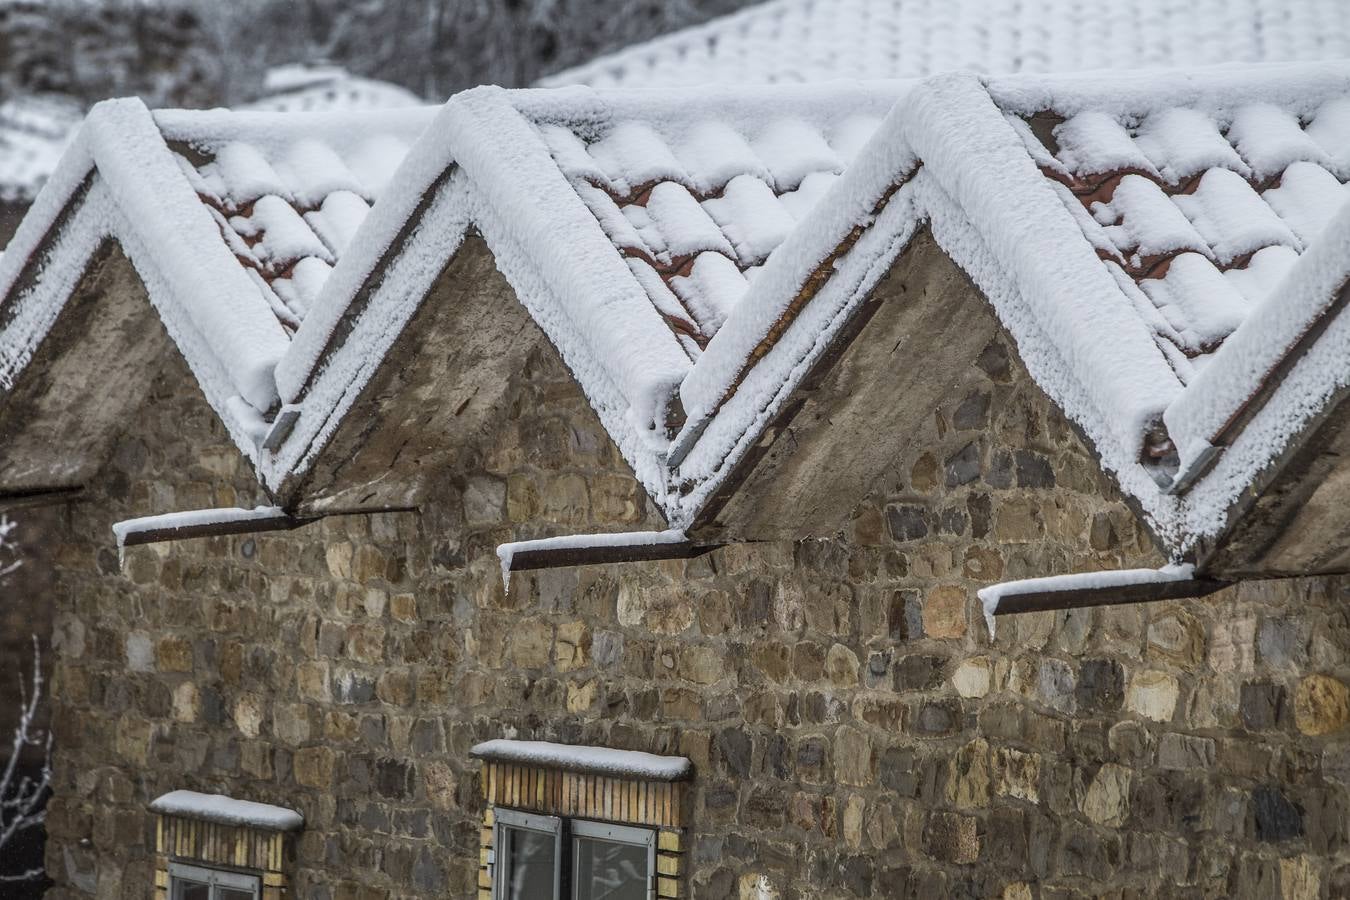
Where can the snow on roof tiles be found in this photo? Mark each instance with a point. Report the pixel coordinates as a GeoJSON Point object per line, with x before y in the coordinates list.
{"type": "Point", "coordinates": [288, 193]}
{"type": "Point", "coordinates": [698, 206]}
{"type": "Point", "coordinates": [789, 41]}
{"type": "Point", "coordinates": [1202, 208]}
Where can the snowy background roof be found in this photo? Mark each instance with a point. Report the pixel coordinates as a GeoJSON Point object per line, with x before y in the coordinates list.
{"type": "Point", "coordinates": [34, 132]}
{"type": "Point", "coordinates": [808, 40]}
{"type": "Point", "coordinates": [325, 88]}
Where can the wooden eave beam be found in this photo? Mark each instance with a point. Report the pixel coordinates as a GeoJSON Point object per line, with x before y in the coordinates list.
{"type": "Point", "coordinates": [29, 498]}
{"type": "Point", "coordinates": [561, 557]}
{"type": "Point", "coordinates": [1118, 595]}
{"type": "Point", "coordinates": [216, 529]}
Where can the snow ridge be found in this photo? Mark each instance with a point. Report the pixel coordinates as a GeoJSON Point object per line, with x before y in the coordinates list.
{"type": "Point", "coordinates": [598, 760]}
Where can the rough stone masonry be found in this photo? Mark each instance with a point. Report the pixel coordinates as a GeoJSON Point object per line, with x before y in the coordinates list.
{"type": "Point", "coordinates": [854, 730]}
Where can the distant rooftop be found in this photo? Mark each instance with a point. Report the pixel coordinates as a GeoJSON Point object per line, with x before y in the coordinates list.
{"type": "Point", "coordinates": [814, 40]}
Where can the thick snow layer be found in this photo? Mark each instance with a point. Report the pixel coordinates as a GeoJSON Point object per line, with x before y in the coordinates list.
{"type": "Point", "coordinates": [991, 596]}
{"type": "Point", "coordinates": [598, 760]}
{"type": "Point", "coordinates": [1141, 218]}
{"type": "Point", "coordinates": [1297, 88]}
{"type": "Point", "coordinates": [542, 174]}
{"type": "Point", "coordinates": [191, 518]}
{"type": "Point", "coordinates": [227, 811]}
{"type": "Point", "coordinates": [808, 40]}
{"type": "Point", "coordinates": [599, 319]}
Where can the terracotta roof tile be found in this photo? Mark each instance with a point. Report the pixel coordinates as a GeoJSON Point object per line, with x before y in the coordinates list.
{"type": "Point", "coordinates": [288, 205]}
{"type": "Point", "coordinates": [1202, 209]}
{"type": "Point", "coordinates": [699, 211]}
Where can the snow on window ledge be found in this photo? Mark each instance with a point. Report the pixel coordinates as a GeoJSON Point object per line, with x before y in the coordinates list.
{"type": "Point", "coordinates": [594, 760]}
{"type": "Point", "coordinates": [227, 811]}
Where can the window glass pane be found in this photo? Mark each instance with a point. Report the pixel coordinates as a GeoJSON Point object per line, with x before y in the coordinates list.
{"type": "Point", "coordinates": [610, 871]}
{"type": "Point", "coordinates": [233, 894]}
{"type": "Point", "coordinates": [190, 890]}
{"type": "Point", "coordinates": [529, 865]}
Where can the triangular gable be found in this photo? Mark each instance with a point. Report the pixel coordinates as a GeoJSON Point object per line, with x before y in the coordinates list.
{"type": "Point", "coordinates": [215, 273]}
{"type": "Point", "coordinates": [965, 158]}
{"type": "Point", "coordinates": [629, 226]}
{"type": "Point", "coordinates": [1214, 201]}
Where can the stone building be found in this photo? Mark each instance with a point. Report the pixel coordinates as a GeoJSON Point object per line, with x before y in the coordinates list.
{"type": "Point", "coordinates": [357, 395]}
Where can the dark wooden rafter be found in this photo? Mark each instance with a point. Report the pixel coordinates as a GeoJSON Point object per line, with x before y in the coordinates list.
{"type": "Point", "coordinates": [561, 557]}
{"type": "Point", "coordinates": [1113, 595]}
{"type": "Point", "coordinates": [278, 522]}
{"type": "Point", "coordinates": [29, 498]}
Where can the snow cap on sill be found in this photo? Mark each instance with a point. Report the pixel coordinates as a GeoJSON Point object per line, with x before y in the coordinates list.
{"type": "Point", "coordinates": [227, 811]}
{"type": "Point", "coordinates": [590, 760]}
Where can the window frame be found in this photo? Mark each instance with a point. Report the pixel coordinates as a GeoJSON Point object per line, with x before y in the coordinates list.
{"type": "Point", "coordinates": [508, 819]}
{"type": "Point", "coordinates": [213, 879]}
{"type": "Point", "coordinates": [565, 832]}
{"type": "Point", "coordinates": [630, 835]}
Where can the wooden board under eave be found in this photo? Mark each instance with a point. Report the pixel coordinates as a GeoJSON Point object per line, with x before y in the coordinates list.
{"type": "Point", "coordinates": [213, 844]}
{"type": "Point", "coordinates": [216, 844]}
{"type": "Point", "coordinates": [657, 804]}
{"type": "Point", "coordinates": [906, 349]}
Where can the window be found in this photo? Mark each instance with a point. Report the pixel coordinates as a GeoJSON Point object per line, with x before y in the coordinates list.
{"type": "Point", "coordinates": [196, 883]}
{"type": "Point", "coordinates": [612, 862]}
{"type": "Point", "coordinates": [602, 862]}
{"type": "Point", "coordinates": [529, 856]}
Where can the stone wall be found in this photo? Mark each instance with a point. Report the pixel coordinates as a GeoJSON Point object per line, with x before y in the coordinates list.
{"type": "Point", "coordinates": [854, 729]}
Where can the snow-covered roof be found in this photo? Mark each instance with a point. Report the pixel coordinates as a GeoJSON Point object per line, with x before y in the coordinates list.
{"type": "Point", "coordinates": [289, 192]}
{"type": "Point", "coordinates": [592, 760]}
{"type": "Point", "coordinates": [34, 131]}
{"type": "Point", "coordinates": [696, 197]}
{"type": "Point", "coordinates": [1156, 244]}
{"type": "Point", "coordinates": [811, 40]}
{"type": "Point", "coordinates": [227, 811]}
{"type": "Point", "coordinates": [326, 88]}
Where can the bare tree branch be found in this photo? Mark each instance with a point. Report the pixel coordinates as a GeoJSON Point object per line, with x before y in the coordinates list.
{"type": "Point", "coordinates": [23, 799]}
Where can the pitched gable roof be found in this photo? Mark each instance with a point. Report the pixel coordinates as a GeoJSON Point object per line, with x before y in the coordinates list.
{"type": "Point", "coordinates": [787, 41]}
{"type": "Point", "coordinates": [694, 257]}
